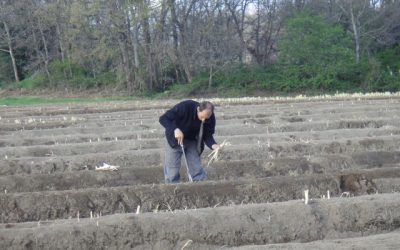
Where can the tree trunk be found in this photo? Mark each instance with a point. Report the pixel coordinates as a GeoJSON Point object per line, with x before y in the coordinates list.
{"type": "Point", "coordinates": [135, 48]}
{"type": "Point", "coordinates": [174, 36]}
{"type": "Point", "coordinates": [133, 31]}
{"type": "Point", "coordinates": [35, 43]}
{"type": "Point", "coordinates": [10, 50]}
{"type": "Point", "coordinates": [148, 51]}
{"type": "Point", "coordinates": [134, 38]}
{"type": "Point", "coordinates": [210, 77]}
{"type": "Point", "coordinates": [257, 46]}
{"type": "Point", "coordinates": [185, 64]}
{"type": "Point", "coordinates": [354, 24]}
{"type": "Point", "coordinates": [61, 46]}
{"type": "Point", "coordinates": [46, 51]}
{"type": "Point", "coordinates": [125, 64]}
{"type": "Point", "coordinates": [239, 25]}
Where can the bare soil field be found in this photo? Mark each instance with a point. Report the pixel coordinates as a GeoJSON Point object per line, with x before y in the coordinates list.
{"type": "Point", "coordinates": [344, 150]}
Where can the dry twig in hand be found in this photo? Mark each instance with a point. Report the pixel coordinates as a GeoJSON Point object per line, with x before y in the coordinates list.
{"type": "Point", "coordinates": [215, 153]}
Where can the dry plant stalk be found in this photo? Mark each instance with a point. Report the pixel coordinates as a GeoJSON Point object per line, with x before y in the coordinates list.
{"type": "Point", "coordinates": [187, 244]}
{"type": "Point", "coordinates": [215, 153]}
{"type": "Point", "coordinates": [345, 194]}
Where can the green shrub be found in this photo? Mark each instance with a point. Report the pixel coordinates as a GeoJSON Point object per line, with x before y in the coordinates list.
{"type": "Point", "coordinates": [390, 60]}
{"type": "Point", "coordinates": [37, 80]}
{"type": "Point", "coordinates": [6, 71]}
{"type": "Point", "coordinates": [188, 89]}
{"type": "Point", "coordinates": [314, 55]}
{"type": "Point", "coordinates": [67, 74]}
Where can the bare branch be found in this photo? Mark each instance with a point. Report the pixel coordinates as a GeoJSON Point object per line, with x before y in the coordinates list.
{"type": "Point", "coordinates": [342, 8]}
{"type": "Point", "coordinates": [362, 10]}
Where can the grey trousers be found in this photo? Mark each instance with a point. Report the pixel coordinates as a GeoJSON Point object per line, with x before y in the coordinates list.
{"type": "Point", "coordinates": [173, 158]}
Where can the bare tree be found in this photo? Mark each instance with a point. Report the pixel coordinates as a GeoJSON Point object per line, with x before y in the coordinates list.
{"type": "Point", "coordinates": [266, 26]}
{"type": "Point", "coordinates": [9, 35]}
{"type": "Point", "coordinates": [10, 50]}
{"type": "Point", "coordinates": [355, 9]}
{"type": "Point", "coordinates": [238, 9]}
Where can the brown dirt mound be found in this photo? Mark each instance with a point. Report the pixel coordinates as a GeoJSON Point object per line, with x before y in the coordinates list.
{"type": "Point", "coordinates": [19, 207]}
{"type": "Point", "coordinates": [389, 241]}
{"type": "Point", "coordinates": [225, 226]}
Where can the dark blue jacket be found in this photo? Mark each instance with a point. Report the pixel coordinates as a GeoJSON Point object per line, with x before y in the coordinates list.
{"type": "Point", "coordinates": [184, 116]}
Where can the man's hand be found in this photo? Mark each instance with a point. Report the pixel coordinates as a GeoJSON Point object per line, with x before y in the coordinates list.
{"type": "Point", "coordinates": [179, 136]}
{"type": "Point", "coordinates": [215, 146]}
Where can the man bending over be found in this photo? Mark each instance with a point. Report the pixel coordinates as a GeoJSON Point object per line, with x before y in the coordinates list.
{"type": "Point", "coordinates": [189, 124]}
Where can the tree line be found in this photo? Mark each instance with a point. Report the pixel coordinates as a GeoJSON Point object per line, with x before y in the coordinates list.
{"type": "Point", "coordinates": [154, 45]}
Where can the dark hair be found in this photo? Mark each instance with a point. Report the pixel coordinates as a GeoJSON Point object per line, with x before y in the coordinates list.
{"type": "Point", "coordinates": [206, 105]}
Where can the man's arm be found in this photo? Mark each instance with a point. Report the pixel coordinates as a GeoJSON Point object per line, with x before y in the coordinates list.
{"type": "Point", "coordinates": [167, 120]}
{"type": "Point", "coordinates": [209, 130]}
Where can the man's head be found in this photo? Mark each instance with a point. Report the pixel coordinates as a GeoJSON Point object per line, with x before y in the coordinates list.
{"type": "Point", "coordinates": [205, 110]}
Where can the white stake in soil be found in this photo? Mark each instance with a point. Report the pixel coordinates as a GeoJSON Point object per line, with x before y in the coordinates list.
{"type": "Point", "coordinates": [306, 197]}
{"type": "Point", "coordinates": [138, 209]}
